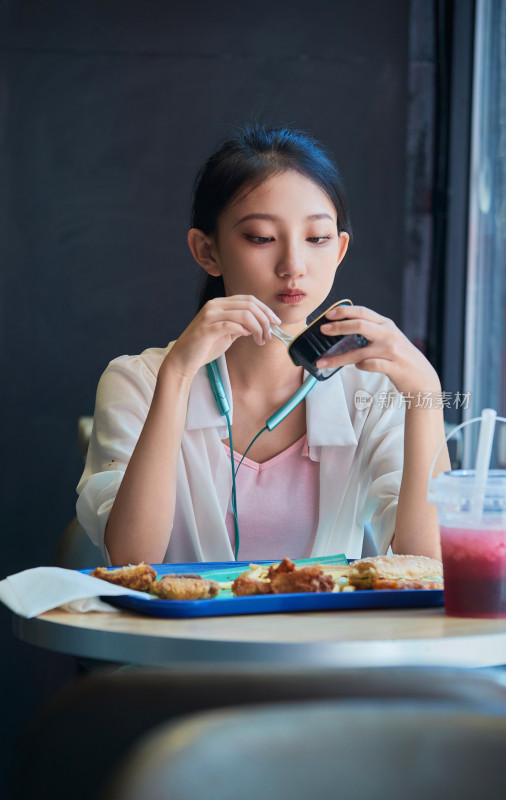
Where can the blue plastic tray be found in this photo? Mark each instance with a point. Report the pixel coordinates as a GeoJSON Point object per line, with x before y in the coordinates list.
{"type": "Point", "coordinates": [226, 605]}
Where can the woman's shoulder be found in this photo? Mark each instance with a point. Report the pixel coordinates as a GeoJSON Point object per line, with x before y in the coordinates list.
{"type": "Point", "coordinates": [149, 360]}
{"type": "Point", "coordinates": [131, 375]}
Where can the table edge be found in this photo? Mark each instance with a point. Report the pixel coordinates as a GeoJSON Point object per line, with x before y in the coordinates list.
{"type": "Point", "coordinates": [479, 650]}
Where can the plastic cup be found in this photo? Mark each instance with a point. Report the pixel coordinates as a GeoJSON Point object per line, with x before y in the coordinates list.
{"type": "Point", "coordinates": [473, 545]}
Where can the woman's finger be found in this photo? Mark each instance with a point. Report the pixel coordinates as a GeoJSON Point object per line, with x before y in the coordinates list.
{"type": "Point", "coordinates": [371, 330]}
{"type": "Point", "coordinates": [250, 298]}
{"type": "Point", "coordinates": [355, 356]}
{"type": "Point", "coordinates": [355, 312]}
{"type": "Point", "coordinates": [243, 317]}
{"type": "Point", "coordinates": [248, 303]}
{"type": "Point", "coordinates": [228, 327]}
{"type": "Point", "coordinates": [384, 331]}
{"type": "Point", "coordinates": [251, 302]}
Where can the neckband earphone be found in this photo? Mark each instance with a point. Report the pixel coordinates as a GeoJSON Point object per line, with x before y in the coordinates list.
{"type": "Point", "coordinates": [304, 350]}
{"type": "Point", "coordinates": [274, 420]}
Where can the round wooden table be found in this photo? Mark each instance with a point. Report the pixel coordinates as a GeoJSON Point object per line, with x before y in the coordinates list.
{"type": "Point", "coordinates": [359, 638]}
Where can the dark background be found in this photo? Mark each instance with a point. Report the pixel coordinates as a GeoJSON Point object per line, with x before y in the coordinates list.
{"type": "Point", "coordinates": [107, 110]}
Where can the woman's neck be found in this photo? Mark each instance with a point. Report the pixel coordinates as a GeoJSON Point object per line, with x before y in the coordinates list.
{"type": "Point", "coordinates": [267, 367]}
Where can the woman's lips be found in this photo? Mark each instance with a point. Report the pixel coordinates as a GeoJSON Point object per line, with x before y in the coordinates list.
{"type": "Point", "coordinates": [291, 297]}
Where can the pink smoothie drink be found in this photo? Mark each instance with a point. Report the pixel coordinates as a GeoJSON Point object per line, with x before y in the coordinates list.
{"type": "Point", "coordinates": [474, 565]}
{"type": "Point", "coordinates": [472, 522]}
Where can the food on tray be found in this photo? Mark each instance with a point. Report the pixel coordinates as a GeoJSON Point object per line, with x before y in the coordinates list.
{"type": "Point", "coordinates": [260, 572]}
{"type": "Point", "coordinates": [244, 585]}
{"type": "Point", "coordinates": [401, 584]}
{"type": "Point", "coordinates": [287, 578]}
{"type": "Point", "coordinates": [283, 578]}
{"type": "Point", "coordinates": [378, 572]}
{"type": "Point", "coordinates": [139, 577]}
{"type": "Point", "coordinates": [143, 578]}
{"type": "Point", "coordinates": [254, 581]}
{"type": "Point", "coordinates": [185, 587]}
{"type": "Point", "coordinates": [396, 572]}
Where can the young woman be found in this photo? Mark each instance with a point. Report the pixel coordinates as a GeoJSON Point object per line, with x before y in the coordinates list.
{"type": "Point", "coordinates": [270, 226]}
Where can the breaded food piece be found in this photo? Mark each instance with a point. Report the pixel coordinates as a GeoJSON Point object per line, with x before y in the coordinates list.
{"type": "Point", "coordinates": [366, 572]}
{"type": "Point", "coordinates": [139, 577]}
{"type": "Point", "coordinates": [286, 578]}
{"type": "Point", "coordinates": [256, 579]}
{"type": "Point", "coordinates": [283, 578]}
{"type": "Point", "coordinates": [244, 586]}
{"type": "Point", "coordinates": [185, 587]}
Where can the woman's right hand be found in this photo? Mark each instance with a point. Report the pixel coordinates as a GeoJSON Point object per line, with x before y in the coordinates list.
{"type": "Point", "coordinates": [217, 325]}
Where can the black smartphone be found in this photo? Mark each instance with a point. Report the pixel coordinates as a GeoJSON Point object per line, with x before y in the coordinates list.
{"type": "Point", "coordinates": [312, 344]}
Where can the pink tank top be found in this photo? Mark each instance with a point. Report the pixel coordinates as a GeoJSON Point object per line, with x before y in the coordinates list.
{"type": "Point", "coordinates": [277, 503]}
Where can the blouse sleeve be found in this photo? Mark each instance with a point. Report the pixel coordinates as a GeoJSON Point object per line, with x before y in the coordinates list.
{"type": "Point", "coordinates": [385, 463]}
{"type": "Point", "coordinates": [123, 399]}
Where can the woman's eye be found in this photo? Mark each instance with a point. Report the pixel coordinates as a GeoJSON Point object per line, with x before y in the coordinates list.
{"type": "Point", "coordinates": [318, 239]}
{"type": "Point", "coordinates": [259, 239]}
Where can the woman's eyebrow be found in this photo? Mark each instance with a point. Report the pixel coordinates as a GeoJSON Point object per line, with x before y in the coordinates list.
{"type": "Point", "coordinates": [320, 216]}
{"type": "Point", "coordinates": [273, 218]}
{"type": "Point", "coordinates": [255, 216]}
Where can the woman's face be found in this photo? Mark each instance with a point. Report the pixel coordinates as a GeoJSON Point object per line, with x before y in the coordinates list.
{"type": "Point", "coordinates": [279, 242]}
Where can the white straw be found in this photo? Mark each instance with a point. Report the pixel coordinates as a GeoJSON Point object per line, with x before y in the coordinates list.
{"type": "Point", "coordinates": [285, 337]}
{"type": "Point", "coordinates": [485, 441]}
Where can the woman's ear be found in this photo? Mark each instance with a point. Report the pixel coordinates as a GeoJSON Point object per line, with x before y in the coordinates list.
{"type": "Point", "coordinates": [344, 240]}
{"type": "Point", "coordinates": [202, 249]}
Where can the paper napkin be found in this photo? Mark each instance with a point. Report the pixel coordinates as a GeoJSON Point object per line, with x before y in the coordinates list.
{"type": "Point", "coordinates": [34, 591]}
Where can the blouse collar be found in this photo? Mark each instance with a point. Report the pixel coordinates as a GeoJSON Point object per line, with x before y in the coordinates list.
{"type": "Point", "coordinates": [327, 415]}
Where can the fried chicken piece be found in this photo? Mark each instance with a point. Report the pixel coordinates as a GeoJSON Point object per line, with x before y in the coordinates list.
{"type": "Point", "coordinates": [244, 586]}
{"type": "Point", "coordinates": [286, 579]}
{"type": "Point", "coordinates": [138, 577]}
{"type": "Point", "coordinates": [185, 587]}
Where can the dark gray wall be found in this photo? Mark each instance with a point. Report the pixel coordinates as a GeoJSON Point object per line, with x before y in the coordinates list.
{"type": "Point", "coordinates": [106, 111]}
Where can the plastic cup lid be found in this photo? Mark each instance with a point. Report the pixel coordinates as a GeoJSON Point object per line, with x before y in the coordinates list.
{"type": "Point", "coordinates": [464, 481]}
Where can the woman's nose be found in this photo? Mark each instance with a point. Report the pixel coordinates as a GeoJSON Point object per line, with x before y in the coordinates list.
{"type": "Point", "coordinates": [291, 263]}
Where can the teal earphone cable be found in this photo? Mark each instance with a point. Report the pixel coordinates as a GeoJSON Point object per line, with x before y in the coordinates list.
{"type": "Point", "coordinates": [248, 447]}
{"type": "Point", "coordinates": [224, 407]}
{"type": "Point", "coordinates": [233, 498]}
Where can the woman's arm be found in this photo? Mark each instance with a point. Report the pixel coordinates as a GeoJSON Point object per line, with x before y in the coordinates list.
{"type": "Point", "coordinates": [416, 527]}
{"type": "Point", "coordinates": [391, 353]}
{"type": "Point", "coordinates": [141, 518]}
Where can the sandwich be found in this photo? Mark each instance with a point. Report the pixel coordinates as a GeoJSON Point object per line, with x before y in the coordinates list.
{"type": "Point", "coordinates": [396, 572]}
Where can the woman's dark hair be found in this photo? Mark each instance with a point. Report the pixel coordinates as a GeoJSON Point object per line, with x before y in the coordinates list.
{"type": "Point", "coordinates": [252, 155]}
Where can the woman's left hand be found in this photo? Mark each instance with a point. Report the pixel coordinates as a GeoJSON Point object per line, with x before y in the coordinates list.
{"type": "Point", "coordinates": [388, 350]}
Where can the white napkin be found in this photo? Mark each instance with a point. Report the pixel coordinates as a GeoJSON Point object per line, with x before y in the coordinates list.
{"type": "Point", "coordinates": [34, 591]}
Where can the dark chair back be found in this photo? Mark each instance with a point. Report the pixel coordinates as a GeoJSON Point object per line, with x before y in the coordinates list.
{"type": "Point", "coordinates": [84, 731]}
{"type": "Point", "coordinates": [402, 750]}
